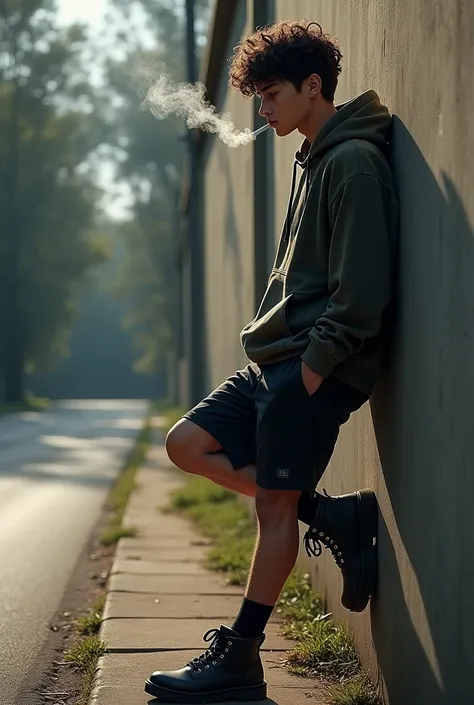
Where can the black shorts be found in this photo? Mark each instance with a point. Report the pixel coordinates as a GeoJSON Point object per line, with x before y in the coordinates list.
{"type": "Point", "coordinates": [264, 416]}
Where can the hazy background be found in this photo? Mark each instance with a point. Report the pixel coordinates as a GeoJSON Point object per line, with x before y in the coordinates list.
{"type": "Point", "coordinates": [88, 213]}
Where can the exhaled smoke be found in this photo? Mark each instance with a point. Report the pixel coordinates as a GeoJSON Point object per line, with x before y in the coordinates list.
{"type": "Point", "coordinates": [186, 100]}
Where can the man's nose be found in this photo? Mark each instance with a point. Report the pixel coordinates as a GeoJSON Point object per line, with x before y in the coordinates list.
{"type": "Point", "coordinates": [263, 110]}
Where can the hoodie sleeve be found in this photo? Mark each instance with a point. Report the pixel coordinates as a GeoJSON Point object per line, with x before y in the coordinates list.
{"type": "Point", "coordinates": [359, 272]}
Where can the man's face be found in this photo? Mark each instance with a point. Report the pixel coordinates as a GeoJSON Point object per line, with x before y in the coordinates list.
{"type": "Point", "coordinates": [285, 108]}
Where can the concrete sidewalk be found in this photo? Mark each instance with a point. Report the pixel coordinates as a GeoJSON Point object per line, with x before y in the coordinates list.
{"type": "Point", "coordinates": [161, 601]}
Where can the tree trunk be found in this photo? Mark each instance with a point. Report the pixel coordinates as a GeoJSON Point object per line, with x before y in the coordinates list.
{"type": "Point", "coordinates": [14, 363]}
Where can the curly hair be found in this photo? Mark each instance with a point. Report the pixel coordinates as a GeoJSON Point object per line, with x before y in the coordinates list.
{"type": "Point", "coordinates": [286, 51]}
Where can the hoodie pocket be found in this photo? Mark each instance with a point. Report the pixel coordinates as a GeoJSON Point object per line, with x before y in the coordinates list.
{"type": "Point", "coordinates": [267, 333]}
{"type": "Point", "coordinates": [303, 310]}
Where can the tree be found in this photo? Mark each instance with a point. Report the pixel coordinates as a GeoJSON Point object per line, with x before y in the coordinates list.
{"type": "Point", "coordinates": [47, 206]}
{"type": "Point", "coordinates": [149, 157]}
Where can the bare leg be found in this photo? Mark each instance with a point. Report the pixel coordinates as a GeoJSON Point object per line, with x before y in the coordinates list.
{"type": "Point", "coordinates": [276, 549]}
{"type": "Point", "coordinates": [194, 450]}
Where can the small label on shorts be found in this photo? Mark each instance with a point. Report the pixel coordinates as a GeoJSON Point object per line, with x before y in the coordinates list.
{"type": "Point", "coordinates": [284, 473]}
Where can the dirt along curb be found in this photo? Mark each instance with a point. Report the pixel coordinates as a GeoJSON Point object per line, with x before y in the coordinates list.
{"type": "Point", "coordinates": [161, 600]}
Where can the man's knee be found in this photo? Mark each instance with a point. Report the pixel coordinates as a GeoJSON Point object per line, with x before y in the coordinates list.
{"type": "Point", "coordinates": [274, 506]}
{"type": "Point", "coordinates": [186, 443]}
{"type": "Point", "coordinates": [179, 443]}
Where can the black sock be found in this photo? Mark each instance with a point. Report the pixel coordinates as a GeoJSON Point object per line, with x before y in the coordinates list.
{"type": "Point", "coordinates": [252, 619]}
{"type": "Point", "coordinates": [307, 508]}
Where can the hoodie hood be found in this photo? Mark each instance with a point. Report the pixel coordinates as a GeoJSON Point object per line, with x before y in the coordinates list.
{"type": "Point", "coordinates": [363, 118]}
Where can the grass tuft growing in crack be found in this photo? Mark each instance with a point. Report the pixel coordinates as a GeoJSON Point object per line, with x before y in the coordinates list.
{"type": "Point", "coordinates": [90, 623]}
{"type": "Point", "coordinates": [298, 603]}
{"type": "Point", "coordinates": [85, 655]}
{"type": "Point", "coordinates": [322, 647]}
{"type": "Point", "coordinates": [113, 534]}
{"type": "Point", "coordinates": [86, 652]}
{"type": "Point", "coordinates": [357, 691]}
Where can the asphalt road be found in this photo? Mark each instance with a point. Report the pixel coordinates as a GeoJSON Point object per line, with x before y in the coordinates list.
{"type": "Point", "coordinates": [55, 471]}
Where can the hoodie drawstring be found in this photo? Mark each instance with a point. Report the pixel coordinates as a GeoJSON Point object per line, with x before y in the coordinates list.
{"type": "Point", "coordinates": [294, 200]}
{"type": "Point", "coordinates": [290, 204]}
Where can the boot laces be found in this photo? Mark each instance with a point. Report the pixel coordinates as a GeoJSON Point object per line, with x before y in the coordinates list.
{"type": "Point", "coordinates": [213, 654]}
{"type": "Point", "coordinates": [314, 540]}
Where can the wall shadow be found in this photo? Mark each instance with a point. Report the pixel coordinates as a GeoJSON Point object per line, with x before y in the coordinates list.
{"type": "Point", "coordinates": [422, 619]}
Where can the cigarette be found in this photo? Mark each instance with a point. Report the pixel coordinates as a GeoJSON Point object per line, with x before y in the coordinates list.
{"type": "Point", "coordinates": [260, 130]}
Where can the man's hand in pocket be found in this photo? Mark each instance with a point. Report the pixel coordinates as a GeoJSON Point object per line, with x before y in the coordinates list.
{"type": "Point", "coordinates": [311, 380]}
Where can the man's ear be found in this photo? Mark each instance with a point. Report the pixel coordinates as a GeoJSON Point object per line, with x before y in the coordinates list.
{"type": "Point", "coordinates": [314, 85]}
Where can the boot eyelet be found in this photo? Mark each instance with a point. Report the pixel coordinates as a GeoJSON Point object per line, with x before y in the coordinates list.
{"type": "Point", "coordinates": [314, 531]}
{"type": "Point", "coordinates": [199, 670]}
{"type": "Point", "coordinates": [207, 666]}
{"type": "Point", "coordinates": [342, 561]}
{"type": "Point", "coordinates": [327, 538]}
{"type": "Point", "coordinates": [336, 547]}
{"type": "Point", "coordinates": [214, 663]}
{"type": "Point", "coordinates": [230, 643]}
{"type": "Point", "coordinates": [222, 655]}
{"type": "Point", "coordinates": [339, 554]}
{"type": "Point", "coordinates": [331, 541]}
{"type": "Point", "coordinates": [226, 651]}
{"type": "Point", "coordinates": [321, 533]}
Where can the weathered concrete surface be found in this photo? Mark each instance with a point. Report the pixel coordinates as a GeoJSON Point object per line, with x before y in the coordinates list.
{"type": "Point", "coordinates": [414, 444]}
{"type": "Point", "coordinates": [144, 567]}
{"type": "Point", "coordinates": [141, 665]}
{"type": "Point", "coordinates": [160, 543]}
{"type": "Point", "coordinates": [154, 524]}
{"type": "Point", "coordinates": [171, 585]}
{"type": "Point", "coordinates": [163, 555]}
{"type": "Point", "coordinates": [228, 246]}
{"type": "Point", "coordinates": [223, 607]}
{"type": "Point", "coordinates": [279, 696]}
{"type": "Point", "coordinates": [171, 634]}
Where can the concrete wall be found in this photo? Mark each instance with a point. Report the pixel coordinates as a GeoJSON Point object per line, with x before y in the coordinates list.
{"type": "Point", "coordinates": [414, 442]}
{"type": "Point", "coordinates": [228, 237]}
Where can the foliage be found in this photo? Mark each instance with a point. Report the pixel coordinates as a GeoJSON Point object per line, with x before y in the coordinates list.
{"type": "Point", "coordinates": [47, 210]}
{"type": "Point", "coordinates": [58, 128]}
{"type": "Point", "coordinates": [149, 156]}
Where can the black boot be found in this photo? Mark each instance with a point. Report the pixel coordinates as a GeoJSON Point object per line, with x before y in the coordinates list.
{"type": "Point", "coordinates": [230, 669]}
{"type": "Point", "coordinates": [347, 525]}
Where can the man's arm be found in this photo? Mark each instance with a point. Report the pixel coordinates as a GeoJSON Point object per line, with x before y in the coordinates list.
{"type": "Point", "coordinates": [359, 274]}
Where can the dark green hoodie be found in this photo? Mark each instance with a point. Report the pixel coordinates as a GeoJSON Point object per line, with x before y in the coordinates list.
{"type": "Point", "coordinates": [331, 286]}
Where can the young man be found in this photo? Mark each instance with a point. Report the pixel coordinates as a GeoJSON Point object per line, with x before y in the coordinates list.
{"type": "Point", "coordinates": [314, 348]}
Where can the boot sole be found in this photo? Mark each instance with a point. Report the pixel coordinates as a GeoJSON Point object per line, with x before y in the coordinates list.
{"type": "Point", "coordinates": [367, 514]}
{"type": "Point", "coordinates": [240, 695]}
